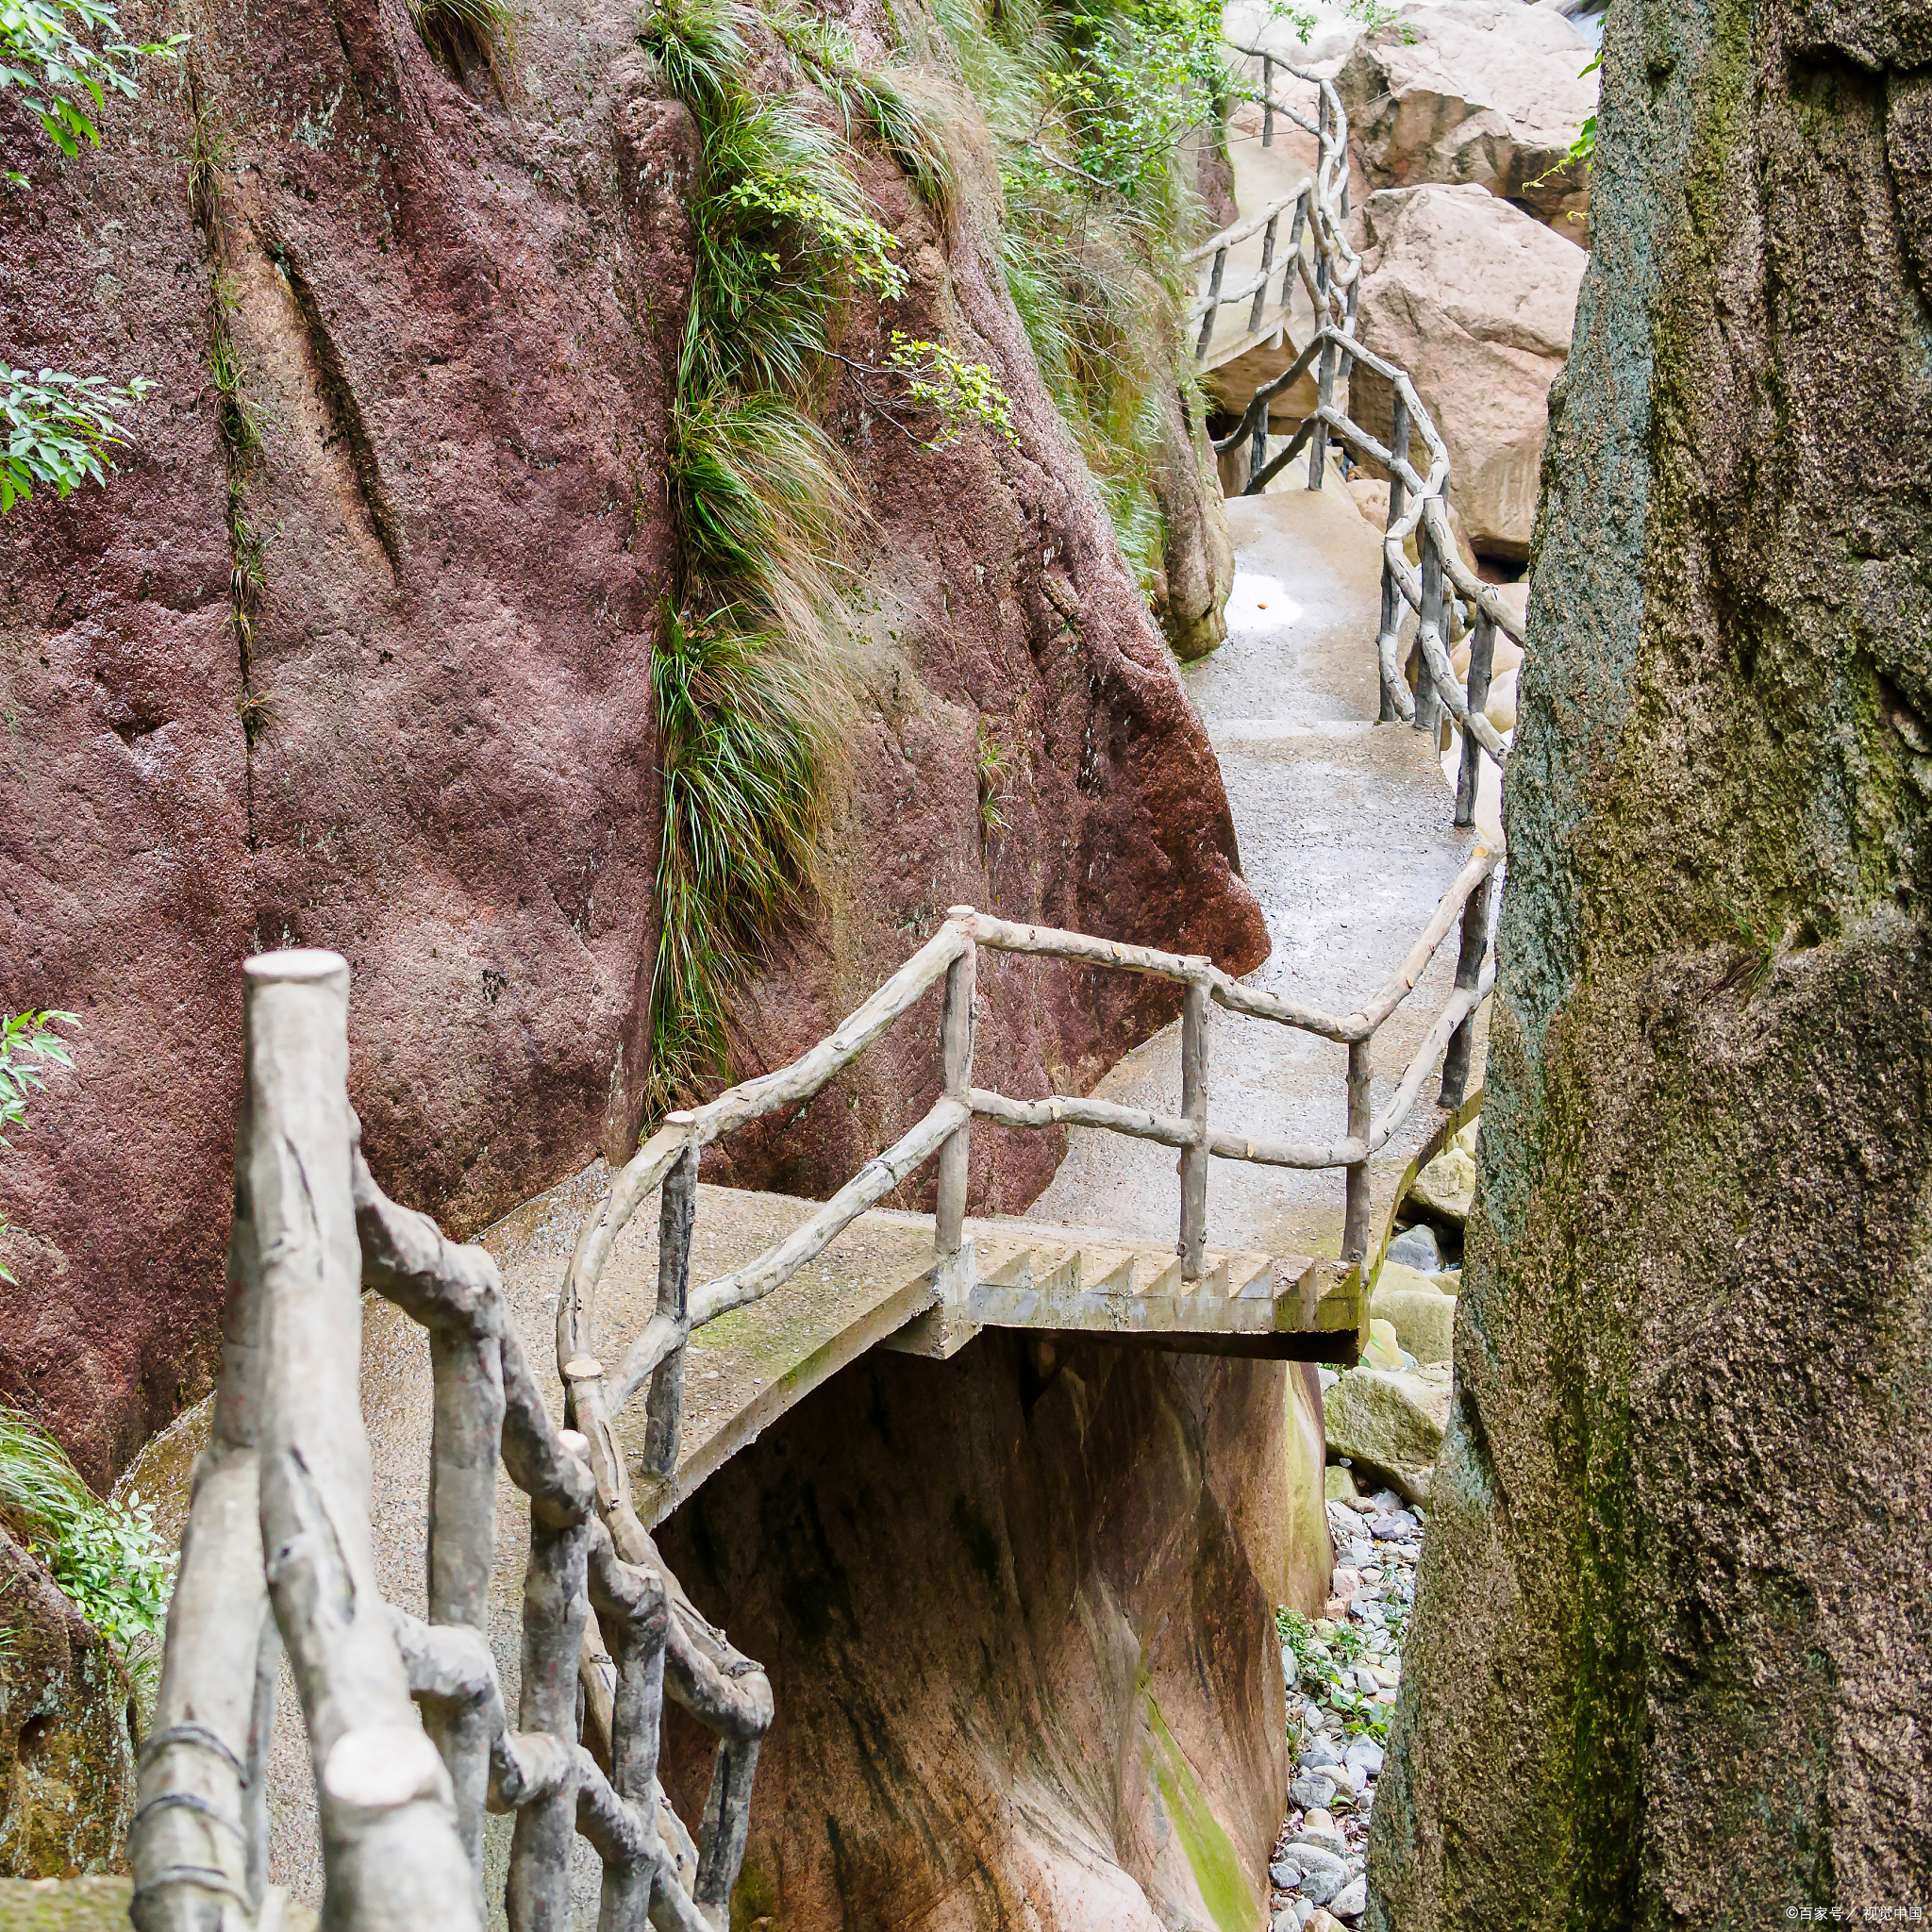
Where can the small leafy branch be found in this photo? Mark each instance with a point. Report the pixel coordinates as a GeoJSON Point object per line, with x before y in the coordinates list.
{"type": "Point", "coordinates": [962, 392]}
{"type": "Point", "coordinates": [59, 70]}
{"type": "Point", "coordinates": [59, 428]}
{"type": "Point", "coordinates": [28, 1047]}
{"type": "Point", "coordinates": [842, 231]}
{"type": "Point", "coordinates": [108, 1556]}
{"type": "Point", "coordinates": [63, 55]}
{"type": "Point", "coordinates": [1373, 15]}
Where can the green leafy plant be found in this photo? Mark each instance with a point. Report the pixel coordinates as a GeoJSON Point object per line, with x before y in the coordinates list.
{"type": "Point", "coordinates": [962, 392]}
{"type": "Point", "coordinates": [108, 1556]}
{"type": "Point", "coordinates": [1142, 76]}
{"type": "Point", "coordinates": [1319, 1663]}
{"type": "Point", "coordinates": [57, 429]}
{"type": "Point", "coordinates": [29, 1045]}
{"type": "Point", "coordinates": [66, 57]}
{"type": "Point", "coordinates": [1086, 110]}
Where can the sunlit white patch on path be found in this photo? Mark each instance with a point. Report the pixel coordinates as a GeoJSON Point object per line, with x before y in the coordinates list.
{"type": "Point", "coordinates": [1259, 604]}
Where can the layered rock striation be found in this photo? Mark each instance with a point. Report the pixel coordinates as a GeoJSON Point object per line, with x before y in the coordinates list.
{"type": "Point", "coordinates": [355, 650]}
{"type": "Point", "coordinates": [1671, 1662]}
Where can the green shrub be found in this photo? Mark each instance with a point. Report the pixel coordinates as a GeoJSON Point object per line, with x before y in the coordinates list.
{"type": "Point", "coordinates": [106, 1557]}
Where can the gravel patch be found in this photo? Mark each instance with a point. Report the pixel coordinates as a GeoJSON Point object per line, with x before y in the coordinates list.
{"type": "Point", "coordinates": [1342, 1669]}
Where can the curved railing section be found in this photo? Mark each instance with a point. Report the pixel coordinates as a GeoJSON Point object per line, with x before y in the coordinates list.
{"type": "Point", "coordinates": [1449, 600]}
{"type": "Point", "coordinates": [279, 1553]}
{"type": "Point", "coordinates": [604, 1373]}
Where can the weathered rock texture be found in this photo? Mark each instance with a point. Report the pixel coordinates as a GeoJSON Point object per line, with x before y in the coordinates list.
{"type": "Point", "coordinates": [1016, 1613]}
{"type": "Point", "coordinates": [66, 1766]}
{"type": "Point", "coordinates": [455, 324]}
{"type": "Point", "coordinates": [1487, 91]}
{"type": "Point", "coordinates": [1672, 1664]}
{"type": "Point", "coordinates": [1476, 302]}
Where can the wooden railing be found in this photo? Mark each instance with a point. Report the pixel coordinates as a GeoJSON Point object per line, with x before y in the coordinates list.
{"type": "Point", "coordinates": [1448, 598]}
{"type": "Point", "coordinates": [667, 1165]}
{"type": "Point", "coordinates": [279, 1553]}
{"type": "Point", "coordinates": [1311, 209]}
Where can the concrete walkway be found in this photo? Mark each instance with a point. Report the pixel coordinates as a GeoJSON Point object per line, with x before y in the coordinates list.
{"type": "Point", "coordinates": [1345, 837]}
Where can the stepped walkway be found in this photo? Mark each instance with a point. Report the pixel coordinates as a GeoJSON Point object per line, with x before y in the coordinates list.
{"type": "Point", "coordinates": [1345, 836]}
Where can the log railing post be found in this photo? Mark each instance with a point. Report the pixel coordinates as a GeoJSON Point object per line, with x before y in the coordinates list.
{"type": "Point", "coordinates": [1294, 251]}
{"type": "Point", "coordinates": [466, 1433]}
{"type": "Point", "coordinates": [951, 1248]}
{"type": "Point", "coordinates": [1429, 701]}
{"type": "Point", "coordinates": [1468, 967]}
{"type": "Point", "coordinates": [1318, 444]}
{"type": "Point", "coordinates": [555, 1603]}
{"type": "Point", "coordinates": [199, 1842]}
{"type": "Point", "coordinates": [1391, 592]}
{"type": "Point", "coordinates": [1482, 649]}
{"type": "Point", "coordinates": [676, 1216]}
{"type": "Point", "coordinates": [1354, 1223]}
{"type": "Point", "coordinates": [391, 1857]}
{"type": "Point", "coordinates": [1267, 269]}
{"type": "Point", "coordinates": [1220, 269]}
{"type": "Point", "coordinates": [1193, 1240]}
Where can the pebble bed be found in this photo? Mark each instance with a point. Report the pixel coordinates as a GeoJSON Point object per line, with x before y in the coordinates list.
{"type": "Point", "coordinates": [1341, 1672]}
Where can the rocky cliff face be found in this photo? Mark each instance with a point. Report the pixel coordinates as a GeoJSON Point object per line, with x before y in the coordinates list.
{"type": "Point", "coordinates": [1672, 1662]}
{"type": "Point", "coordinates": [1017, 1610]}
{"type": "Point", "coordinates": [354, 651]}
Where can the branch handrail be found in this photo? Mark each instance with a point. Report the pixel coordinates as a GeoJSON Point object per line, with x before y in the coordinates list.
{"type": "Point", "coordinates": [668, 1161]}
{"type": "Point", "coordinates": [1418, 500]}
{"type": "Point", "coordinates": [410, 1739]}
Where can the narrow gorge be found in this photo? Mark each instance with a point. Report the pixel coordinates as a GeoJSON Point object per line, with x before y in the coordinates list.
{"type": "Point", "coordinates": [960, 965]}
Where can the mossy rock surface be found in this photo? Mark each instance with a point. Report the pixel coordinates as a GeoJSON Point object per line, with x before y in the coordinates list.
{"type": "Point", "coordinates": [90, 1904]}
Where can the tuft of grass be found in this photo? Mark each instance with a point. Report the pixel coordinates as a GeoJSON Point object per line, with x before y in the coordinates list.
{"type": "Point", "coordinates": [993, 767]}
{"type": "Point", "coordinates": [888, 101]}
{"type": "Point", "coordinates": [741, 753]}
{"type": "Point", "coordinates": [762, 503]}
{"type": "Point", "coordinates": [745, 671]}
{"type": "Point", "coordinates": [468, 34]}
{"type": "Point", "coordinates": [106, 1557]}
{"type": "Point", "coordinates": [1094, 262]}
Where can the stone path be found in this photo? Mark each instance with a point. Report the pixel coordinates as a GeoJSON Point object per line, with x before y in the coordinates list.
{"type": "Point", "coordinates": [1345, 837]}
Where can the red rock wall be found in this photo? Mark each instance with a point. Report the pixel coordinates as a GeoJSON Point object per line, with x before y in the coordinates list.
{"type": "Point", "coordinates": [456, 325]}
{"type": "Point", "coordinates": [1020, 1637]}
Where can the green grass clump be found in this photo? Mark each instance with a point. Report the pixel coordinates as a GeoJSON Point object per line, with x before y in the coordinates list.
{"type": "Point", "coordinates": [466, 34]}
{"type": "Point", "coordinates": [106, 1557]}
{"type": "Point", "coordinates": [741, 761]}
{"type": "Point", "coordinates": [1085, 110]}
{"type": "Point", "coordinates": [744, 672]}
